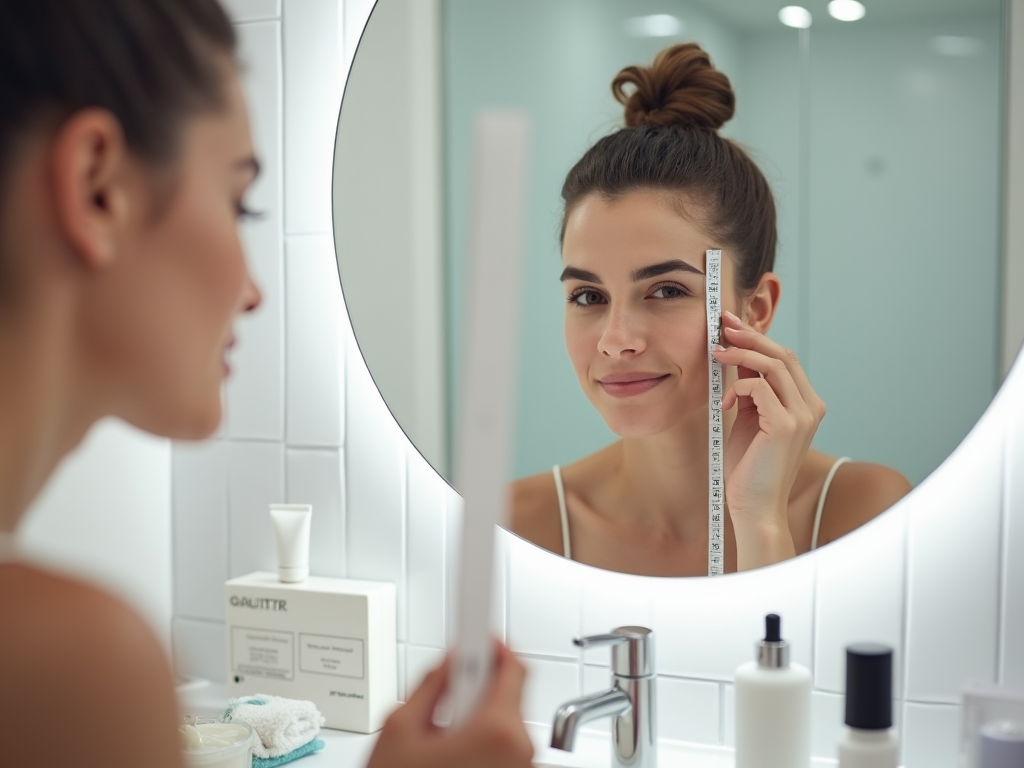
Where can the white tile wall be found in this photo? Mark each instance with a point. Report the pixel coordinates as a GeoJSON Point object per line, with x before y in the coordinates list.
{"type": "Point", "coordinates": [200, 493]}
{"type": "Point", "coordinates": [315, 318]}
{"type": "Point", "coordinates": [256, 389]}
{"type": "Point", "coordinates": [941, 578]}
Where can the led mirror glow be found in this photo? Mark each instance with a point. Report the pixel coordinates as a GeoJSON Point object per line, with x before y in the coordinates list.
{"type": "Point", "coordinates": [795, 16]}
{"type": "Point", "coordinates": [655, 25]}
{"type": "Point", "coordinates": [846, 10]}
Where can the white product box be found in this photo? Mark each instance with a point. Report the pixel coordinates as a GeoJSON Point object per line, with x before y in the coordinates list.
{"type": "Point", "coordinates": [329, 641]}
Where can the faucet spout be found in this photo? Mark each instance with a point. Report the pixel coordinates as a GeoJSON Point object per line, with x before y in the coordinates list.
{"type": "Point", "coordinates": [575, 713]}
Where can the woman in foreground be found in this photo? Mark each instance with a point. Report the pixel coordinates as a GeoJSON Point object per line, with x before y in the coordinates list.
{"type": "Point", "coordinates": [125, 156]}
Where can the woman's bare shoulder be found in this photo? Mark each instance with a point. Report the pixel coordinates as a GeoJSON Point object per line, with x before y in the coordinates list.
{"type": "Point", "coordinates": [860, 491]}
{"type": "Point", "coordinates": [92, 665]}
{"type": "Point", "coordinates": [534, 511]}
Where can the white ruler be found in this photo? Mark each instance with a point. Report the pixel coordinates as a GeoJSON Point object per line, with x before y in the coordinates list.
{"type": "Point", "coordinates": [716, 441]}
{"type": "Point", "coordinates": [489, 376]}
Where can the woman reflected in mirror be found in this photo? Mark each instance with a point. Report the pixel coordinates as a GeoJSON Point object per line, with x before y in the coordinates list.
{"type": "Point", "coordinates": [125, 159]}
{"type": "Point", "coordinates": [642, 207]}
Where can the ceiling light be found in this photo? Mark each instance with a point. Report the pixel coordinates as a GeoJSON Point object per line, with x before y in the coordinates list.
{"type": "Point", "coordinates": [655, 25]}
{"type": "Point", "coordinates": [954, 45]}
{"type": "Point", "coordinates": [795, 16]}
{"type": "Point", "coordinates": [846, 10]}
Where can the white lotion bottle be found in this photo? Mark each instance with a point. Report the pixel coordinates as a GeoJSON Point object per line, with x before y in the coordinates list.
{"type": "Point", "coordinates": [868, 740]}
{"type": "Point", "coordinates": [773, 706]}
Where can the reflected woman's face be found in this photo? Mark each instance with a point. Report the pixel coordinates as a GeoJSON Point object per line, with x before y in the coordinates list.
{"type": "Point", "coordinates": [635, 323]}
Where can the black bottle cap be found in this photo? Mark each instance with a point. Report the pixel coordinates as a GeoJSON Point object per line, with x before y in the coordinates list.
{"type": "Point", "coordinates": [869, 686]}
{"type": "Point", "coordinates": [772, 628]}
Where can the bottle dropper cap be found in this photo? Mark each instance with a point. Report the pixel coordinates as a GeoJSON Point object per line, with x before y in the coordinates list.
{"type": "Point", "coordinates": [773, 651]}
{"type": "Point", "coordinates": [869, 686]}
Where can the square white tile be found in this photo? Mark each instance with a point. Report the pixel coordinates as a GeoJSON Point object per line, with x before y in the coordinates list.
{"type": "Point", "coordinates": [255, 481]}
{"type": "Point", "coordinates": [376, 477]}
{"type": "Point", "coordinates": [255, 391]}
{"type": "Point", "coordinates": [688, 710]}
{"type": "Point", "coordinates": [729, 715]}
{"type": "Point", "coordinates": [316, 476]}
{"type": "Point", "coordinates": [827, 713]}
{"type": "Point", "coordinates": [316, 330]}
{"type": "Point", "coordinates": [313, 77]}
{"type": "Point", "coordinates": [953, 569]}
{"type": "Point", "coordinates": [426, 551]}
{"type": "Point", "coordinates": [708, 627]}
{"type": "Point", "coordinates": [860, 598]}
{"type": "Point", "coordinates": [199, 649]}
{"type": "Point", "coordinates": [200, 493]}
{"type": "Point", "coordinates": [931, 735]}
{"type": "Point", "coordinates": [419, 660]}
{"type": "Point", "coordinates": [549, 685]}
{"type": "Point", "coordinates": [544, 600]}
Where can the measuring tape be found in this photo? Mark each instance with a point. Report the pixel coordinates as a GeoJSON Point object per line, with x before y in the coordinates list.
{"type": "Point", "coordinates": [716, 443]}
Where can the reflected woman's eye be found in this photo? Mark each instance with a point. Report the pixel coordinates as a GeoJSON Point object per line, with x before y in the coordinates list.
{"type": "Point", "coordinates": [585, 297]}
{"type": "Point", "coordinates": [670, 291]}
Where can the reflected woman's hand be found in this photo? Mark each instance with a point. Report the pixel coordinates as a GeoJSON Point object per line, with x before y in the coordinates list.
{"type": "Point", "coordinates": [777, 414]}
{"type": "Point", "coordinates": [494, 736]}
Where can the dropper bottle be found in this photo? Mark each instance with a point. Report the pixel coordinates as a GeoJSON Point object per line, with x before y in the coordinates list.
{"type": "Point", "coordinates": [868, 740]}
{"type": "Point", "coordinates": [773, 706]}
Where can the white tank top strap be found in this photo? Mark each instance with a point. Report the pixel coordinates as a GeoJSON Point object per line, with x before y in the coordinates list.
{"type": "Point", "coordinates": [821, 499]}
{"type": "Point", "coordinates": [563, 512]}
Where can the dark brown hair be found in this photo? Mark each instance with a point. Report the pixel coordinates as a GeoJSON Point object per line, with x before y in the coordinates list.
{"type": "Point", "coordinates": [671, 144]}
{"type": "Point", "coordinates": [151, 63]}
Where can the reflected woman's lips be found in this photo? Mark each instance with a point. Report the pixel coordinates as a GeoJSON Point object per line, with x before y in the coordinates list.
{"type": "Point", "coordinates": [631, 384]}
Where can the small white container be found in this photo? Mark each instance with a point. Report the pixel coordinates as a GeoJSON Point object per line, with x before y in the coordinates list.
{"type": "Point", "coordinates": [211, 744]}
{"type": "Point", "coordinates": [773, 707]}
{"type": "Point", "coordinates": [868, 740]}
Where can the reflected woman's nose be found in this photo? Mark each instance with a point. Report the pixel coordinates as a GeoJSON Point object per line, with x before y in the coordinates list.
{"type": "Point", "coordinates": [623, 334]}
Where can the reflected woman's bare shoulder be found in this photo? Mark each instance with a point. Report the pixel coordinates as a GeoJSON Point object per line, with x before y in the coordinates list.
{"type": "Point", "coordinates": [534, 511]}
{"type": "Point", "coordinates": [91, 666]}
{"type": "Point", "coordinates": [860, 492]}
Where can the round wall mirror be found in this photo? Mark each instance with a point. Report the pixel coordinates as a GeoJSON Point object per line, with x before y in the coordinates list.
{"type": "Point", "coordinates": [879, 134]}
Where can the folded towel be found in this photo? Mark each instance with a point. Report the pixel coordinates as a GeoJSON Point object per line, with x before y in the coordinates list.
{"type": "Point", "coordinates": [272, 762]}
{"type": "Point", "coordinates": [281, 725]}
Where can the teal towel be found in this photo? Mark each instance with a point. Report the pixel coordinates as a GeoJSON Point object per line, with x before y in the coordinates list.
{"type": "Point", "coordinates": [271, 762]}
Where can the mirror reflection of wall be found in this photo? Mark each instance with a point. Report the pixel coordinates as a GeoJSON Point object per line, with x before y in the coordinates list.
{"type": "Point", "coordinates": [881, 141]}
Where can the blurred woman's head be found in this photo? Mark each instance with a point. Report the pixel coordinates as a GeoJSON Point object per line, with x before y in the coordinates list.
{"type": "Point", "coordinates": [125, 154]}
{"type": "Point", "coordinates": [641, 208]}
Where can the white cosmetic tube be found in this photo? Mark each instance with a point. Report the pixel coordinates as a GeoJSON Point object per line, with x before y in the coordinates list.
{"type": "Point", "coordinates": [291, 532]}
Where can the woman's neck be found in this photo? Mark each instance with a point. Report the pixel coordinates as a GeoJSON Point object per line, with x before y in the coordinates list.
{"type": "Point", "coordinates": [41, 420]}
{"type": "Point", "coordinates": [660, 482]}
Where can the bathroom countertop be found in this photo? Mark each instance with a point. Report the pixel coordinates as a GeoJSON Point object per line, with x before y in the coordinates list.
{"type": "Point", "coordinates": [351, 750]}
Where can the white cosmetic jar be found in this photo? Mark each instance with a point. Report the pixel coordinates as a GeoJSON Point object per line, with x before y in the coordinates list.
{"type": "Point", "coordinates": [212, 744]}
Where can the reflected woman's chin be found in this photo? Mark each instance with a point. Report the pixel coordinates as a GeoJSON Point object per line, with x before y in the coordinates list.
{"type": "Point", "coordinates": [640, 505]}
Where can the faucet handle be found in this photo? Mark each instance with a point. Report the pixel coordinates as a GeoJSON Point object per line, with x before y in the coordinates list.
{"type": "Point", "coordinates": [632, 650]}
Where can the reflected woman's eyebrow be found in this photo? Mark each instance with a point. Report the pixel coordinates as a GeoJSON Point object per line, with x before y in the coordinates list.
{"type": "Point", "coordinates": [572, 273]}
{"type": "Point", "coordinates": [654, 270]}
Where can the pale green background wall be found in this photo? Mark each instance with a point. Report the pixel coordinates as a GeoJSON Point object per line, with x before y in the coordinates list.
{"type": "Point", "coordinates": [890, 282]}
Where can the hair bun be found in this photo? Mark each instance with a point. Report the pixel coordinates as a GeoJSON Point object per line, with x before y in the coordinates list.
{"type": "Point", "coordinates": [679, 88]}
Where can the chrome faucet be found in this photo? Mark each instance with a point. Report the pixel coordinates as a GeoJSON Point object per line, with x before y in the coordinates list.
{"type": "Point", "coordinates": [631, 700]}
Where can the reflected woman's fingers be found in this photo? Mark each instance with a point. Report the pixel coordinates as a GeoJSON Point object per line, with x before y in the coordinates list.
{"type": "Point", "coordinates": [775, 372]}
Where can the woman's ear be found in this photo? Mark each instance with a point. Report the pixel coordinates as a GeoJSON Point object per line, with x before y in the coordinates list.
{"type": "Point", "coordinates": [89, 164]}
{"type": "Point", "coordinates": [759, 307]}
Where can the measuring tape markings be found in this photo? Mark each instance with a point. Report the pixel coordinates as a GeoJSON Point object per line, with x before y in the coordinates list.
{"type": "Point", "coordinates": [716, 443]}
